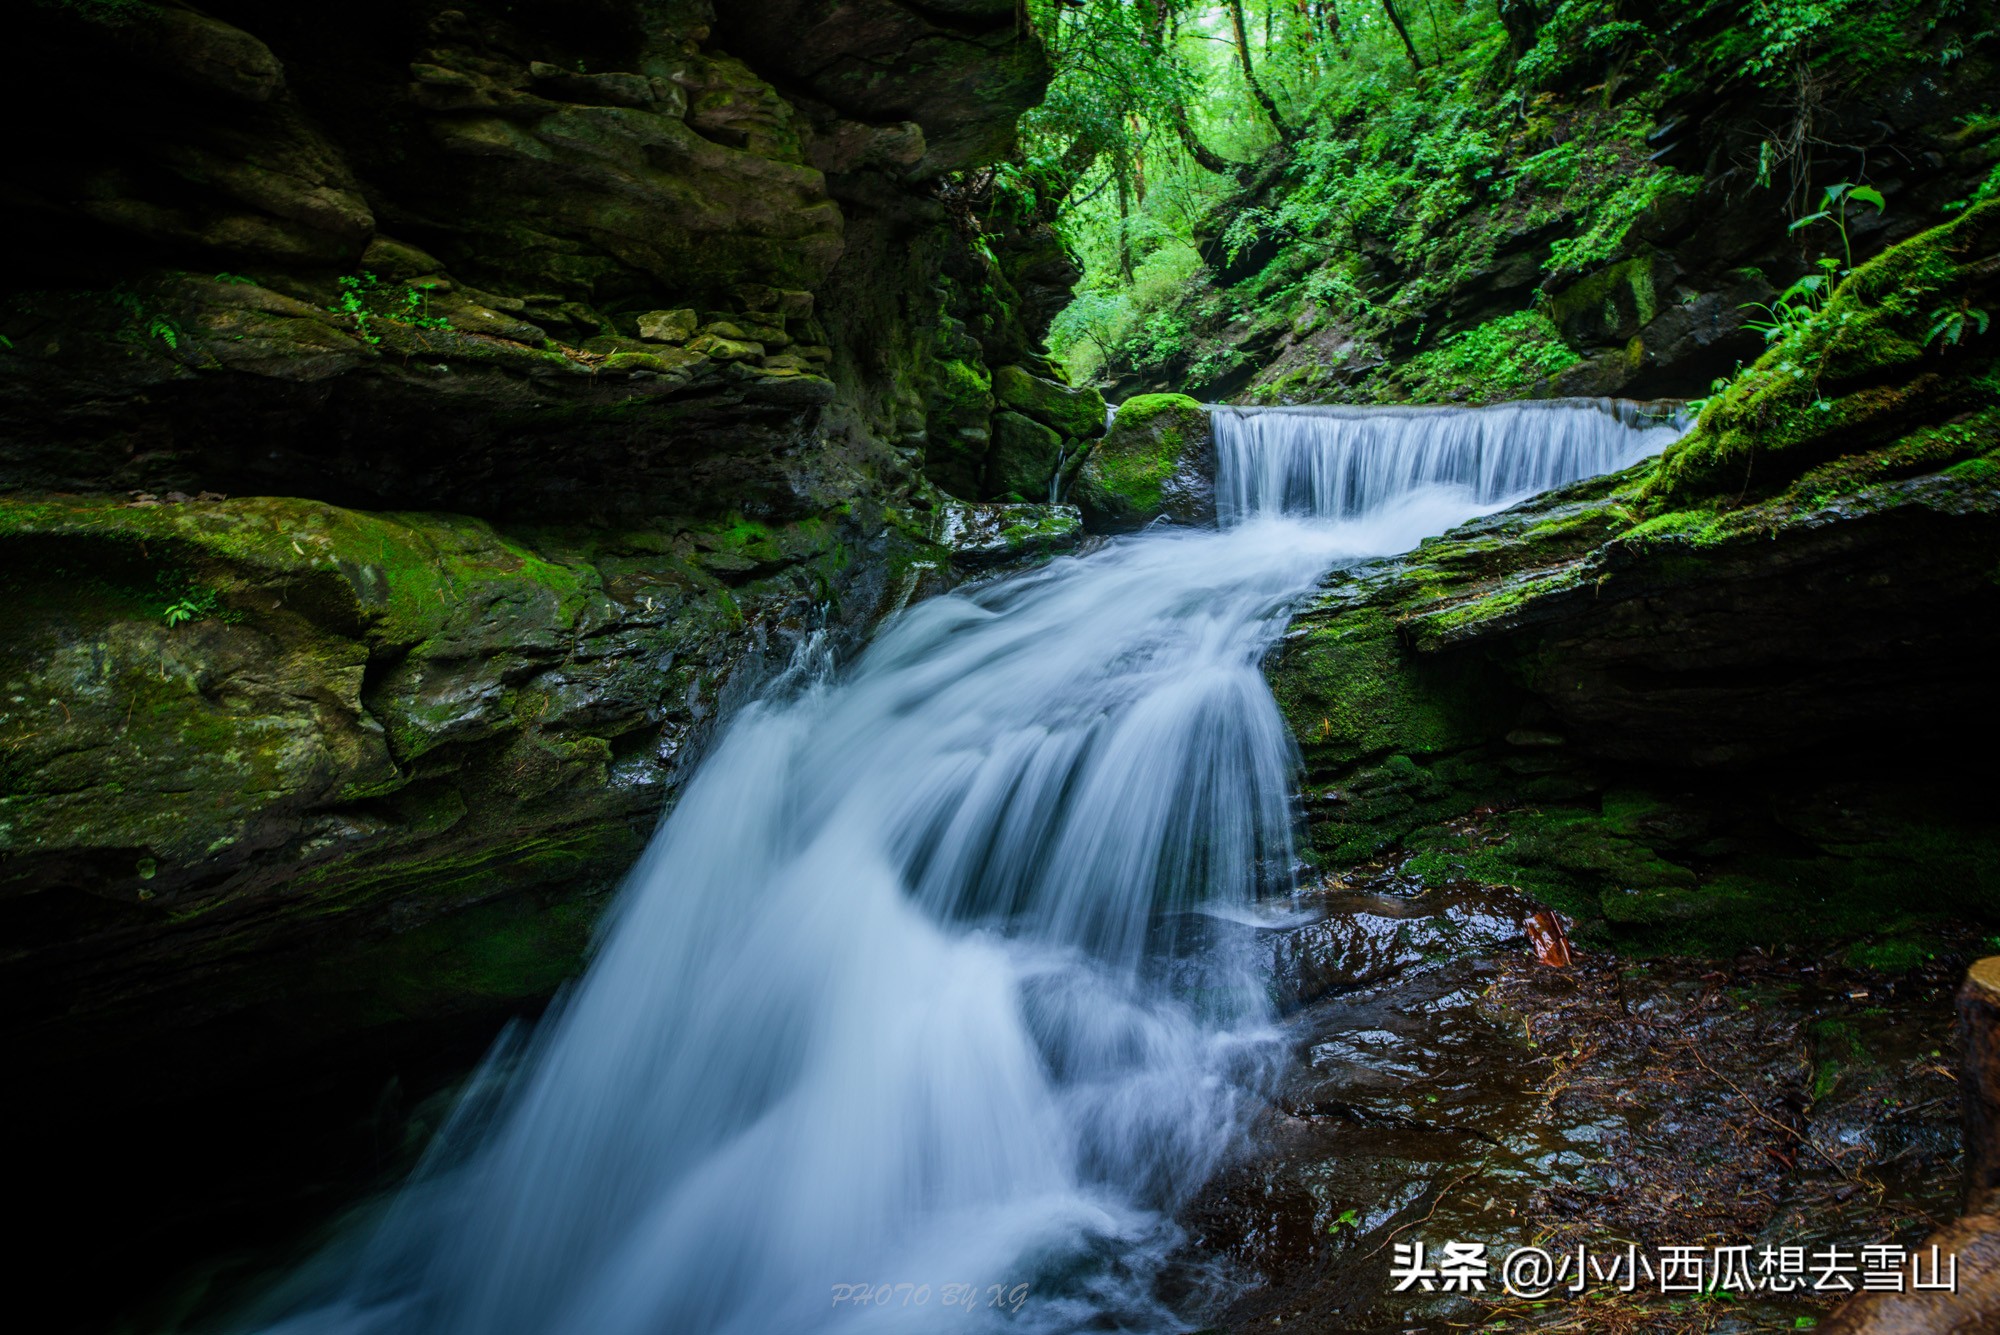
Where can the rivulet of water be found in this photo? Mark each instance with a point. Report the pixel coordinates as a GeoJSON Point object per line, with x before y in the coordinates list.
{"type": "Point", "coordinates": [932, 999]}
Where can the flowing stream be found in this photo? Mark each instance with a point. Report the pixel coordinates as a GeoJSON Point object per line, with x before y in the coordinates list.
{"type": "Point", "coordinates": [939, 990]}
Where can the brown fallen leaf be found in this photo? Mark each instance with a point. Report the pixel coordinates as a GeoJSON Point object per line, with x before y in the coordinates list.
{"type": "Point", "coordinates": [1551, 942]}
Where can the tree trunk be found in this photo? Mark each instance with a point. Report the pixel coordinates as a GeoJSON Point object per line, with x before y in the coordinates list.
{"type": "Point", "coordinates": [1250, 71]}
{"type": "Point", "coordinates": [1205, 157]}
{"type": "Point", "coordinates": [1437, 36]}
{"type": "Point", "coordinates": [1138, 159]}
{"type": "Point", "coordinates": [1124, 221]}
{"type": "Point", "coordinates": [1318, 15]}
{"type": "Point", "coordinates": [1522, 20]}
{"type": "Point", "coordinates": [1389, 7]}
{"type": "Point", "coordinates": [1329, 15]}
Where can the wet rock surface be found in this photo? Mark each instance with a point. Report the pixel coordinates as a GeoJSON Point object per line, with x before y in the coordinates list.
{"type": "Point", "coordinates": [418, 427]}
{"type": "Point", "coordinates": [992, 537]}
{"type": "Point", "coordinates": [1467, 1092]}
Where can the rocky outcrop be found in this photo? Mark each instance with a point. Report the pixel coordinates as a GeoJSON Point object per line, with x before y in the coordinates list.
{"type": "Point", "coordinates": [1799, 646]}
{"type": "Point", "coordinates": [251, 742]}
{"type": "Point", "coordinates": [617, 308]}
{"type": "Point", "coordinates": [418, 264]}
{"type": "Point", "coordinates": [959, 67]}
{"type": "Point", "coordinates": [416, 429]}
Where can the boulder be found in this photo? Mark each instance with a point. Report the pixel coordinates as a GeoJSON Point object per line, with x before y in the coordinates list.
{"type": "Point", "coordinates": [725, 349]}
{"type": "Point", "coordinates": [1023, 459]}
{"type": "Point", "coordinates": [667, 326]}
{"type": "Point", "coordinates": [983, 536]}
{"type": "Point", "coordinates": [1077, 413]}
{"type": "Point", "coordinates": [1157, 461]}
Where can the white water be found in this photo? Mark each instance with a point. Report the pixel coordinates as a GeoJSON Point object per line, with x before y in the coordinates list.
{"type": "Point", "coordinates": [939, 973]}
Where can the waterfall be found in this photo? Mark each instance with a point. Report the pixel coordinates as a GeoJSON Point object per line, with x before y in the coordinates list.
{"type": "Point", "coordinates": [1342, 462]}
{"type": "Point", "coordinates": [936, 995]}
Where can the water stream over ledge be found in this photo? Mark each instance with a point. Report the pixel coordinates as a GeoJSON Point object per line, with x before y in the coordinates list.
{"type": "Point", "coordinates": [942, 973]}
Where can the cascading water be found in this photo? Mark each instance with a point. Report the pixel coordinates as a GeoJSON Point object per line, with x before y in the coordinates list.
{"type": "Point", "coordinates": [939, 978]}
{"type": "Point", "coordinates": [1339, 462]}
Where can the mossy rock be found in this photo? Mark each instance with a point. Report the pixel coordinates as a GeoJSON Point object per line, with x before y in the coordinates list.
{"type": "Point", "coordinates": [1077, 413]}
{"type": "Point", "coordinates": [234, 732]}
{"type": "Point", "coordinates": [1156, 461]}
{"type": "Point", "coordinates": [1351, 690]}
{"type": "Point", "coordinates": [1023, 460]}
{"type": "Point", "coordinates": [1869, 368]}
{"type": "Point", "coordinates": [984, 536]}
{"type": "Point", "coordinates": [1609, 306]}
{"type": "Point", "coordinates": [958, 410]}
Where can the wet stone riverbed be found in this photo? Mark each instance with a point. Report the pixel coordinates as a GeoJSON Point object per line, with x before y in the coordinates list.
{"type": "Point", "coordinates": [1447, 1086]}
{"type": "Point", "coordinates": [1444, 1085]}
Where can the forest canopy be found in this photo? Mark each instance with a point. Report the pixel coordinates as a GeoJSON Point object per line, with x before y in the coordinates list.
{"type": "Point", "coordinates": [1215, 165]}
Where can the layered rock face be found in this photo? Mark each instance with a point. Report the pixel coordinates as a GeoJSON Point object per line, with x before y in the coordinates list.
{"type": "Point", "coordinates": [406, 257]}
{"type": "Point", "coordinates": [418, 424]}
{"type": "Point", "coordinates": [1729, 698]}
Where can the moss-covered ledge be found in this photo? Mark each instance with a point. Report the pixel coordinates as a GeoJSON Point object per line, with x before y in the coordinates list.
{"type": "Point", "coordinates": [1744, 741]}
{"type": "Point", "coordinates": [244, 740]}
{"type": "Point", "coordinates": [1537, 697]}
{"type": "Point", "coordinates": [1898, 347]}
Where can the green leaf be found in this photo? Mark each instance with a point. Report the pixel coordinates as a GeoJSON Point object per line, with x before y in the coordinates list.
{"type": "Point", "coordinates": [1809, 220]}
{"type": "Point", "coordinates": [1869, 195]}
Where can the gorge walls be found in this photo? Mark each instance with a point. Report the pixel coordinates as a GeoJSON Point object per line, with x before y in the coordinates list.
{"type": "Point", "coordinates": [418, 423]}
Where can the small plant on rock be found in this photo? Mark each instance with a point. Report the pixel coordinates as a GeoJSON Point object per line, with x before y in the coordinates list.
{"type": "Point", "coordinates": [1833, 208]}
{"type": "Point", "coordinates": [1795, 307]}
{"type": "Point", "coordinates": [365, 299]}
{"type": "Point", "coordinates": [184, 610]}
{"type": "Point", "coordinates": [1949, 322]}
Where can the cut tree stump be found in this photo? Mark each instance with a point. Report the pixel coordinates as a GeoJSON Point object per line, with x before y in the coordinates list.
{"type": "Point", "coordinates": [1979, 1081]}
{"type": "Point", "coordinates": [1974, 1238]}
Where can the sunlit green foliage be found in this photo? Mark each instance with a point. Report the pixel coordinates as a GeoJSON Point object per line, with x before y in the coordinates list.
{"type": "Point", "coordinates": [1498, 360]}
{"type": "Point", "coordinates": [1385, 177]}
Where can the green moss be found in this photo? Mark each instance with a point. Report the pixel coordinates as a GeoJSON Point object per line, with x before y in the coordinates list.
{"type": "Point", "coordinates": [1926, 450]}
{"type": "Point", "coordinates": [1050, 529]}
{"type": "Point", "coordinates": [1858, 375]}
{"type": "Point", "coordinates": [1897, 954]}
{"type": "Point", "coordinates": [1350, 690]}
{"type": "Point", "coordinates": [1077, 413]}
{"type": "Point", "coordinates": [1126, 475]}
{"type": "Point", "coordinates": [1608, 226]}
{"type": "Point", "coordinates": [1609, 296]}
{"type": "Point", "coordinates": [1837, 1046]}
{"type": "Point", "coordinates": [512, 947]}
{"type": "Point", "coordinates": [961, 389]}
